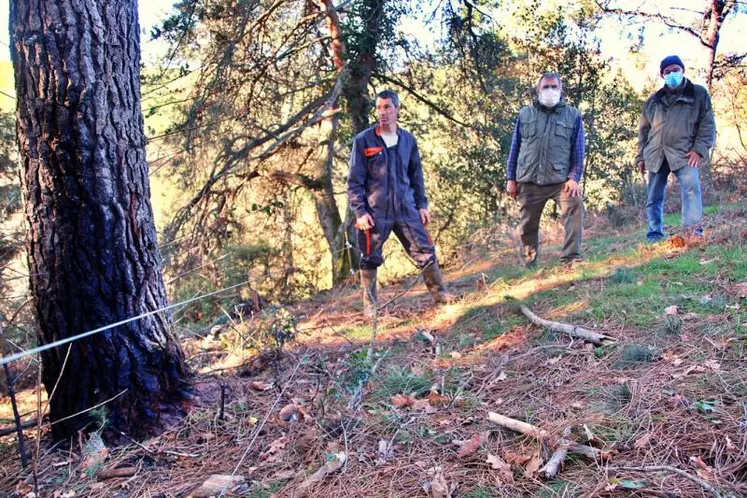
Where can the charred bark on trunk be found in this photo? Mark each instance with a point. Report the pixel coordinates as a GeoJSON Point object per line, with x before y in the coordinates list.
{"type": "Point", "coordinates": [92, 246]}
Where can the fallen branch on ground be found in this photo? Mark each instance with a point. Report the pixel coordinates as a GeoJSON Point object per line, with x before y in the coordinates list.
{"type": "Point", "coordinates": [552, 467]}
{"type": "Point", "coordinates": [332, 465]}
{"type": "Point", "coordinates": [5, 431]}
{"type": "Point", "coordinates": [115, 473]}
{"type": "Point", "coordinates": [517, 425]}
{"type": "Point", "coordinates": [536, 432]}
{"type": "Point", "coordinates": [667, 468]}
{"type": "Point", "coordinates": [572, 330]}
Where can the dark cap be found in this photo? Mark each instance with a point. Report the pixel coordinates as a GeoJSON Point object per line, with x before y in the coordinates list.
{"type": "Point", "coordinates": [668, 61]}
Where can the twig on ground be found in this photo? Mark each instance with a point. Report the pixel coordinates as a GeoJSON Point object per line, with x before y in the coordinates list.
{"type": "Point", "coordinates": [222, 401]}
{"type": "Point", "coordinates": [405, 290]}
{"type": "Point", "coordinates": [50, 424]}
{"type": "Point", "coordinates": [5, 431]}
{"type": "Point", "coordinates": [552, 467]}
{"type": "Point", "coordinates": [518, 426]}
{"type": "Point", "coordinates": [374, 327]}
{"type": "Point", "coordinates": [572, 330]}
{"type": "Point", "coordinates": [19, 426]}
{"type": "Point", "coordinates": [541, 434]}
{"type": "Point", "coordinates": [591, 439]}
{"type": "Point", "coordinates": [104, 474]}
{"type": "Point", "coordinates": [668, 468]}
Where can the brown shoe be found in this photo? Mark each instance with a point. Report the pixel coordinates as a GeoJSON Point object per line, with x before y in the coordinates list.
{"type": "Point", "coordinates": [435, 283]}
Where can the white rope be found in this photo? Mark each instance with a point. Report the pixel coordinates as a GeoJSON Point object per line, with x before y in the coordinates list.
{"type": "Point", "coordinates": [61, 342]}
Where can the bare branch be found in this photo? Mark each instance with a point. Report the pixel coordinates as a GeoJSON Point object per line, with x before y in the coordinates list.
{"type": "Point", "coordinates": [420, 98]}
{"type": "Point", "coordinates": [668, 21]}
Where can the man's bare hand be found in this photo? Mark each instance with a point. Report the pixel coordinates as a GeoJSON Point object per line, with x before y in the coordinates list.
{"type": "Point", "coordinates": [365, 222]}
{"type": "Point", "coordinates": [693, 159]}
{"type": "Point", "coordinates": [512, 188]}
{"type": "Point", "coordinates": [425, 216]}
{"type": "Point", "coordinates": [571, 186]}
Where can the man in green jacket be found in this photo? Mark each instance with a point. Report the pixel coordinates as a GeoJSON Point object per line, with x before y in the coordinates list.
{"type": "Point", "coordinates": [675, 134]}
{"type": "Point", "coordinates": [546, 161]}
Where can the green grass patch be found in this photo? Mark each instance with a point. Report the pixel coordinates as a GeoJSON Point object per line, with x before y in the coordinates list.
{"type": "Point", "coordinates": [624, 275]}
{"type": "Point", "coordinates": [498, 328]}
{"type": "Point", "coordinates": [482, 492]}
{"type": "Point", "coordinates": [633, 355]}
{"type": "Point", "coordinates": [358, 332]}
{"type": "Point", "coordinates": [399, 381]}
{"type": "Point", "coordinates": [675, 218]}
{"type": "Point", "coordinates": [557, 488]}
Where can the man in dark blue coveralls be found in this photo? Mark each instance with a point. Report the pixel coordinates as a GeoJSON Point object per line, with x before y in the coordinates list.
{"type": "Point", "coordinates": [387, 193]}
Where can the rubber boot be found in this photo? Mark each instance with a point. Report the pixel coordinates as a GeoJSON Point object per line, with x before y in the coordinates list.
{"type": "Point", "coordinates": [435, 283]}
{"type": "Point", "coordinates": [370, 298]}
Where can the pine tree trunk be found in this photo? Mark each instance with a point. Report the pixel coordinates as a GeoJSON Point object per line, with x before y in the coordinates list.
{"type": "Point", "coordinates": [340, 234]}
{"type": "Point", "coordinates": [92, 246]}
{"type": "Point", "coordinates": [363, 64]}
{"type": "Point", "coordinates": [343, 256]}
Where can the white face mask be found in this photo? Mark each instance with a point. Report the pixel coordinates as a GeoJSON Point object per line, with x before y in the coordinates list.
{"type": "Point", "coordinates": [549, 97]}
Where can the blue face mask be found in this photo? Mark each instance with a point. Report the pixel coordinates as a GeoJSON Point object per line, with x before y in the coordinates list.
{"type": "Point", "coordinates": [673, 79]}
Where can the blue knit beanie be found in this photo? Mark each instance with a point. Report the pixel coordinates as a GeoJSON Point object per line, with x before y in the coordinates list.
{"type": "Point", "coordinates": [668, 61]}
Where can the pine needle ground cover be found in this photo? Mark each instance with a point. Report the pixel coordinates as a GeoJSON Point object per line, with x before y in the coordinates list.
{"type": "Point", "coordinates": [668, 393]}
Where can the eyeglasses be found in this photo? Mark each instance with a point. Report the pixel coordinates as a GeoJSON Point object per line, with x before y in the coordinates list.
{"type": "Point", "coordinates": [672, 70]}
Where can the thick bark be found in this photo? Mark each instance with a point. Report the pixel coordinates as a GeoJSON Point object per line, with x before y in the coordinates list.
{"type": "Point", "coordinates": [92, 247]}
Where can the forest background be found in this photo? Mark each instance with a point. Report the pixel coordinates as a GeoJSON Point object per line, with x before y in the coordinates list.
{"type": "Point", "coordinates": [250, 108]}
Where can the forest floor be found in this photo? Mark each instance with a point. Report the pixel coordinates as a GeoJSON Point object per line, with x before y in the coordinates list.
{"type": "Point", "coordinates": [665, 402]}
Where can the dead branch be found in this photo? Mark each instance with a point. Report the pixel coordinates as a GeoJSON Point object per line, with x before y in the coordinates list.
{"type": "Point", "coordinates": [536, 432]}
{"type": "Point", "coordinates": [668, 468]}
{"type": "Point", "coordinates": [298, 179]}
{"type": "Point", "coordinates": [552, 467]}
{"type": "Point", "coordinates": [588, 452]}
{"type": "Point", "coordinates": [518, 426]}
{"type": "Point", "coordinates": [19, 426]}
{"type": "Point", "coordinates": [405, 290]}
{"type": "Point", "coordinates": [572, 330]}
{"type": "Point", "coordinates": [668, 21]}
{"type": "Point", "coordinates": [104, 474]}
{"type": "Point", "coordinates": [443, 112]}
{"type": "Point", "coordinates": [332, 465]}
{"type": "Point", "coordinates": [5, 431]}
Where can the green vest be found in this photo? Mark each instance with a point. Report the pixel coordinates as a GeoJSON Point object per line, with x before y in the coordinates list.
{"type": "Point", "coordinates": [546, 144]}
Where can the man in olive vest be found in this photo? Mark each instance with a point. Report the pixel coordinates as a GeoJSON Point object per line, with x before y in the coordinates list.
{"type": "Point", "coordinates": [546, 162]}
{"type": "Point", "coordinates": [675, 134]}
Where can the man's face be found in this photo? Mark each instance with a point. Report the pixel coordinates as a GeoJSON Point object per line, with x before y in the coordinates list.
{"type": "Point", "coordinates": [546, 83]}
{"type": "Point", "coordinates": [386, 112]}
{"type": "Point", "coordinates": [672, 68]}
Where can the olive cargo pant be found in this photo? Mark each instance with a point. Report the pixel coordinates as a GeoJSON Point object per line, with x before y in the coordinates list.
{"type": "Point", "coordinates": [532, 200]}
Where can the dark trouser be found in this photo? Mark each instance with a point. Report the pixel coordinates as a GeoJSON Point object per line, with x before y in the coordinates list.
{"type": "Point", "coordinates": [532, 199]}
{"type": "Point", "coordinates": [410, 232]}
